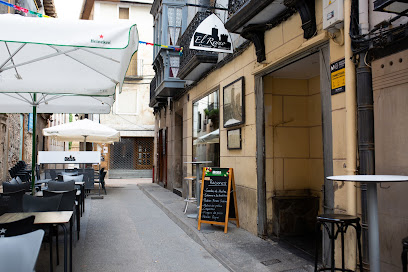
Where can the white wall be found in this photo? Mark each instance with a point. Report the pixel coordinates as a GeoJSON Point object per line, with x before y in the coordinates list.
{"type": "Point", "coordinates": [131, 111]}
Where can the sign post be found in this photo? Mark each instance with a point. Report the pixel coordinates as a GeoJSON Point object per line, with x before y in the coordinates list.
{"type": "Point", "coordinates": [218, 202]}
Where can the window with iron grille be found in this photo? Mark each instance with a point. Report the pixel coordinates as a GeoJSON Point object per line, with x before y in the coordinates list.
{"type": "Point", "coordinates": [132, 153]}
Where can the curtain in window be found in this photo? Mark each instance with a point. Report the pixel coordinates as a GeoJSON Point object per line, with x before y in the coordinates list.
{"type": "Point", "coordinates": [174, 66]}
{"type": "Point", "coordinates": [175, 21]}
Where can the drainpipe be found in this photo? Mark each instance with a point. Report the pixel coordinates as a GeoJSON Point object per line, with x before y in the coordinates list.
{"type": "Point", "coordinates": [365, 126]}
{"type": "Point", "coordinates": [351, 125]}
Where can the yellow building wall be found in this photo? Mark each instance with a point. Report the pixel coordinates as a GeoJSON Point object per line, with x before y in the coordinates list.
{"type": "Point", "coordinates": [293, 138]}
{"type": "Point", "coordinates": [281, 42]}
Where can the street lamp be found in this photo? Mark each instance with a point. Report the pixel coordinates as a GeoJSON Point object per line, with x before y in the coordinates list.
{"type": "Point", "coordinates": [399, 7]}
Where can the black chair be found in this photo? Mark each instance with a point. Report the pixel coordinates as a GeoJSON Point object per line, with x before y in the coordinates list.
{"type": "Point", "coordinates": [41, 204]}
{"type": "Point", "coordinates": [404, 253]}
{"type": "Point", "coordinates": [336, 224]}
{"type": "Point", "coordinates": [9, 187]}
{"type": "Point", "coordinates": [61, 186]}
{"type": "Point", "coordinates": [15, 201]}
{"type": "Point", "coordinates": [101, 180]}
{"type": "Point", "coordinates": [19, 227]}
{"type": "Point", "coordinates": [53, 174]}
{"type": "Point", "coordinates": [69, 202]}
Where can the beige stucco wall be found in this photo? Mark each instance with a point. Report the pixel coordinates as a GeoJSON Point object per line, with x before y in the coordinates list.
{"type": "Point", "coordinates": [282, 41]}
{"type": "Point", "coordinates": [293, 138]}
{"type": "Point", "coordinates": [390, 85]}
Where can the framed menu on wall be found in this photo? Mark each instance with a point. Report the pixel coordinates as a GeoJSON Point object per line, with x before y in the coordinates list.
{"type": "Point", "coordinates": [234, 138]}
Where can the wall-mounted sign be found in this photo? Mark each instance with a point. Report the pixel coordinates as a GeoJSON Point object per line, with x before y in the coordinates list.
{"type": "Point", "coordinates": [69, 157]}
{"type": "Point", "coordinates": [338, 76]}
{"type": "Point", "coordinates": [218, 202]}
{"type": "Point", "coordinates": [211, 35]}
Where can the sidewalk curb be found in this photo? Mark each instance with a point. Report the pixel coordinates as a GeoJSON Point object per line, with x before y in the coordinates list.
{"type": "Point", "coordinates": [191, 232]}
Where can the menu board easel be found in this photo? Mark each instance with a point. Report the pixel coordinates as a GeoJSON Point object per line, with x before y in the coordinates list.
{"type": "Point", "coordinates": [217, 194]}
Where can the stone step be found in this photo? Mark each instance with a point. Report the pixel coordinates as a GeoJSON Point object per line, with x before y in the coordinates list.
{"type": "Point", "coordinates": [125, 173]}
{"type": "Point", "coordinates": [178, 191]}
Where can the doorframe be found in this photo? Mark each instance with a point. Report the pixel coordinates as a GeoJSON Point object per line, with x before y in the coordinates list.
{"type": "Point", "coordinates": [324, 53]}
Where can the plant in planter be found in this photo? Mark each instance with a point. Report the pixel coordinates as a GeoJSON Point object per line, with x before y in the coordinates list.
{"type": "Point", "coordinates": [212, 116]}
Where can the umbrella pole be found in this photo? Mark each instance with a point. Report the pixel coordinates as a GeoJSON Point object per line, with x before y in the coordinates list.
{"type": "Point", "coordinates": [34, 144]}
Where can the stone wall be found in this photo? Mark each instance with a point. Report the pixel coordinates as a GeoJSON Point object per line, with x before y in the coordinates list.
{"type": "Point", "coordinates": [10, 139]}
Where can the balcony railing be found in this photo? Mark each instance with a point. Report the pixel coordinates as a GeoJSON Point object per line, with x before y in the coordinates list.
{"type": "Point", "coordinates": [235, 5]}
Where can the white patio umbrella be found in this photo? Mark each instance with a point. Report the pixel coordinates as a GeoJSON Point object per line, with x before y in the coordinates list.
{"type": "Point", "coordinates": [83, 130]}
{"type": "Point", "coordinates": [43, 60]}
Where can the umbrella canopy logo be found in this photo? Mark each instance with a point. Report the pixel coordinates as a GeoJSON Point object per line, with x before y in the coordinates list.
{"type": "Point", "coordinates": [100, 41]}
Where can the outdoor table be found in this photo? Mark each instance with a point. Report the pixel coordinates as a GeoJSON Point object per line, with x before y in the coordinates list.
{"type": "Point", "coordinates": [372, 204]}
{"type": "Point", "coordinates": [198, 185]}
{"type": "Point", "coordinates": [48, 218]}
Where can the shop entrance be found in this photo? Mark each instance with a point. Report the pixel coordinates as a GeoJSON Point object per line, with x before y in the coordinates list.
{"type": "Point", "coordinates": [294, 157]}
{"type": "Point", "coordinates": [132, 157]}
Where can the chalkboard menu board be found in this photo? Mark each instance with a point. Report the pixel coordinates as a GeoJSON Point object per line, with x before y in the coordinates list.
{"type": "Point", "coordinates": [218, 201]}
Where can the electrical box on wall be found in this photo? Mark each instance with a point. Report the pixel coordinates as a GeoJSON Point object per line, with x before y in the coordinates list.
{"type": "Point", "coordinates": [333, 14]}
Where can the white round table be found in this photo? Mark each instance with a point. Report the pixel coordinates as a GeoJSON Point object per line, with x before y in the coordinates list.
{"type": "Point", "coordinates": [198, 187]}
{"type": "Point", "coordinates": [372, 206]}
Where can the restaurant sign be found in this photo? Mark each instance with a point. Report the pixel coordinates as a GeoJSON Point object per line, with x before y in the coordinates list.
{"type": "Point", "coordinates": [69, 157]}
{"type": "Point", "coordinates": [211, 35]}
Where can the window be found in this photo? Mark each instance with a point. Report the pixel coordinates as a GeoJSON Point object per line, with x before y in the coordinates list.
{"type": "Point", "coordinates": [123, 13]}
{"type": "Point", "coordinates": [175, 20]}
{"type": "Point", "coordinates": [206, 133]}
{"type": "Point", "coordinates": [174, 66]}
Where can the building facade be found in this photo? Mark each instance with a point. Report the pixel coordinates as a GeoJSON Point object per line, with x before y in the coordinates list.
{"type": "Point", "coordinates": [291, 94]}
{"type": "Point", "coordinates": [131, 115]}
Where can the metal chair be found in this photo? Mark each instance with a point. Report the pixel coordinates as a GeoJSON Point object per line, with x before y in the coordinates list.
{"type": "Point", "coordinates": [101, 180]}
{"type": "Point", "coordinates": [189, 198]}
{"type": "Point", "coordinates": [336, 224]}
{"type": "Point", "coordinates": [20, 253]}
